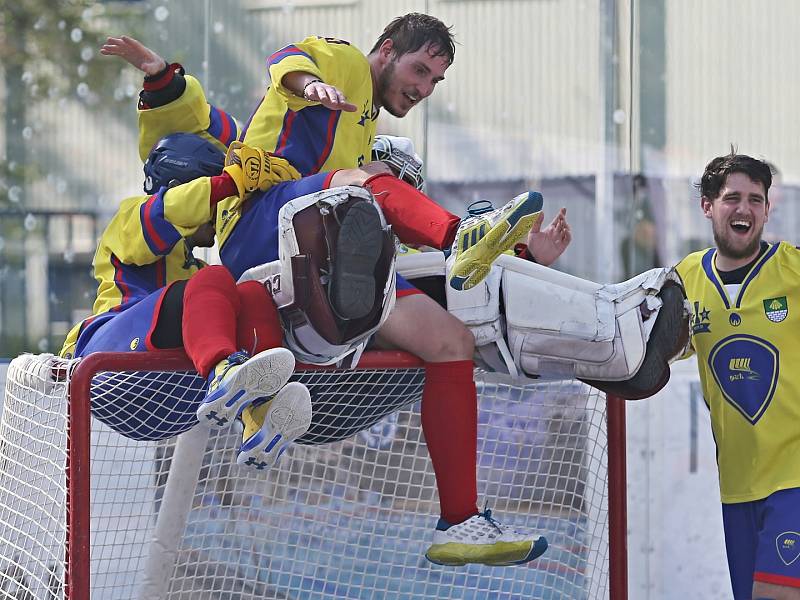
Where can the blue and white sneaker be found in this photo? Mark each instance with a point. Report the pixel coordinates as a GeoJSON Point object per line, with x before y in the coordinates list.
{"type": "Point", "coordinates": [484, 237]}
{"type": "Point", "coordinates": [239, 379]}
{"type": "Point", "coordinates": [483, 540]}
{"type": "Point", "coordinates": [271, 427]}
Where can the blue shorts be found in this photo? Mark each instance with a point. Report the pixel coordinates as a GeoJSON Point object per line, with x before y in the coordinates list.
{"type": "Point", "coordinates": [254, 239]}
{"type": "Point", "coordinates": [139, 405]}
{"type": "Point", "coordinates": [762, 539]}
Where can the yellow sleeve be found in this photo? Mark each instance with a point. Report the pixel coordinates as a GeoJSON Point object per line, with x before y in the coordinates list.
{"type": "Point", "coordinates": [190, 113]}
{"type": "Point", "coordinates": [146, 228]}
{"type": "Point", "coordinates": [330, 60]}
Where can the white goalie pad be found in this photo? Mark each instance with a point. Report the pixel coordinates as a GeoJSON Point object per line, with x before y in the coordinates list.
{"type": "Point", "coordinates": [558, 324]}
{"type": "Point", "coordinates": [552, 324]}
{"type": "Point", "coordinates": [311, 344]}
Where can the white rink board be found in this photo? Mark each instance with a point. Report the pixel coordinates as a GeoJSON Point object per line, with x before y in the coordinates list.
{"type": "Point", "coordinates": [676, 547]}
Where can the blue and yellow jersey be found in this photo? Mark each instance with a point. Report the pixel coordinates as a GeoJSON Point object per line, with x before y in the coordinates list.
{"type": "Point", "coordinates": [188, 113]}
{"type": "Point", "coordinates": [746, 345]}
{"type": "Point", "coordinates": [311, 137]}
{"type": "Point", "coordinates": [142, 249]}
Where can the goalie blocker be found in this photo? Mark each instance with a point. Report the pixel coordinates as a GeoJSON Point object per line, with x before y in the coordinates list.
{"type": "Point", "coordinates": [619, 337]}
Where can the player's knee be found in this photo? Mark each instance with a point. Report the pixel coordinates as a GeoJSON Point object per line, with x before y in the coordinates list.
{"type": "Point", "coordinates": [360, 175]}
{"type": "Point", "coordinates": [456, 342]}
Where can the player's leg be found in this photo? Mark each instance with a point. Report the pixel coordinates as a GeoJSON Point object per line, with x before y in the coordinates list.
{"type": "Point", "coordinates": [211, 308]}
{"type": "Point", "coordinates": [777, 562]}
{"type": "Point", "coordinates": [270, 425]}
{"type": "Point", "coordinates": [449, 422]}
{"type": "Point", "coordinates": [740, 523]}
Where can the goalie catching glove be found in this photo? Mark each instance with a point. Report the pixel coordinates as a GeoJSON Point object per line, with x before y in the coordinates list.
{"type": "Point", "coordinates": [253, 169]}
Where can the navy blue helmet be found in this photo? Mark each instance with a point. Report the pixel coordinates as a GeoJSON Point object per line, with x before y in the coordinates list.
{"type": "Point", "coordinates": [180, 158]}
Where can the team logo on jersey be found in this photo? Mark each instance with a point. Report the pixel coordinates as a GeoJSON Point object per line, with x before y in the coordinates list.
{"type": "Point", "coordinates": [746, 370]}
{"type": "Point", "coordinates": [134, 343]}
{"type": "Point", "coordinates": [226, 217]}
{"type": "Point", "coordinates": [776, 309]}
{"type": "Point", "coordinates": [701, 319]}
{"type": "Point", "coordinates": [735, 319]}
{"type": "Point", "coordinates": [788, 545]}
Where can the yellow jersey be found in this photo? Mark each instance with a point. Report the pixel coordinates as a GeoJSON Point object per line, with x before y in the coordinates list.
{"type": "Point", "coordinates": [745, 338]}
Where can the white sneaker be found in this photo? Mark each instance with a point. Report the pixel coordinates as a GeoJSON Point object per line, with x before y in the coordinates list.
{"type": "Point", "coordinates": [238, 380]}
{"type": "Point", "coordinates": [483, 540]}
{"type": "Point", "coordinates": [271, 427]}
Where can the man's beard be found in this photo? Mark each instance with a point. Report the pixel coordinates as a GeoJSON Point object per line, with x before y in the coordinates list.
{"type": "Point", "coordinates": [726, 249]}
{"type": "Point", "coordinates": [384, 81]}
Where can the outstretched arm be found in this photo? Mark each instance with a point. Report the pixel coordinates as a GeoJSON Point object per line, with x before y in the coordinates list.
{"type": "Point", "coordinates": [135, 53]}
{"type": "Point", "coordinates": [313, 89]}
{"type": "Point", "coordinates": [548, 244]}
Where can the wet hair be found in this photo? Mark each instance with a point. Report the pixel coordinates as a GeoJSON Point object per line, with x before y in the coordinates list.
{"type": "Point", "coordinates": [718, 169]}
{"type": "Point", "coordinates": [413, 31]}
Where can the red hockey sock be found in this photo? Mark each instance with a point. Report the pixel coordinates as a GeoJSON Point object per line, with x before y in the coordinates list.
{"type": "Point", "coordinates": [450, 425]}
{"type": "Point", "coordinates": [415, 218]}
{"type": "Point", "coordinates": [259, 327]}
{"type": "Point", "coordinates": [210, 310]}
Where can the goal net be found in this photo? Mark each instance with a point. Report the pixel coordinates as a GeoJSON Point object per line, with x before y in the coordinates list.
{"type": "Point", "coordinates": [348, 512]}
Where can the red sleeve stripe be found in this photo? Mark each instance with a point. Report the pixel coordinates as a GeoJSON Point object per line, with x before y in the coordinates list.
{"type": "Point", "coordinates": [286, 52]}
{"type": "Point", "coordinates": [333, 119]}
{"type": "Point", "coordinates": [222, 125]}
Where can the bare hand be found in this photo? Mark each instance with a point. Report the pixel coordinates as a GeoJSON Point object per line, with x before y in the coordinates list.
{"type": "Point", "coordinates": [329, 96]}
{"type": "Point", "coordinates": [547, 245]}
{"type": "Point", "coordinates": [134, 52]}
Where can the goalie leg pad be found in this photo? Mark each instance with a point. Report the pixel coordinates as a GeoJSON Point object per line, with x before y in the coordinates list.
{"type": "Point", "coordinates": [668, 340]}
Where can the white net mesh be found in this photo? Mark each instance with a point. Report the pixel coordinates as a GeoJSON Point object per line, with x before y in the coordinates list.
{"type": "Point", "coordinates": [346, 519]}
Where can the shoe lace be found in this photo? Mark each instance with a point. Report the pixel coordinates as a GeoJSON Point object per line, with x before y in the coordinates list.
{"type": "Point", "coordinates": [487, 514]}
{"type": "Point", "coordinates": [479, 207]}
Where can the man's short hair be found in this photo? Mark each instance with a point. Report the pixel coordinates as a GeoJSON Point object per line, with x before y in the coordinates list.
{"type": "Point", "coordinates": [413, 31]}
{"type": "Point", "coordinates": [718, 169]}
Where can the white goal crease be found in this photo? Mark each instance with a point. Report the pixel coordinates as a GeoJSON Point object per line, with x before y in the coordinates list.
{"type": "Point", "coordinates": [348, 513]}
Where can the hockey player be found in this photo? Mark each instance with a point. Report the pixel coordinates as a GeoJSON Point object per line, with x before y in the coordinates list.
{"type": "Point", "coordinates": [153, 294]}
{"type": "Point", "coordinates": [417, 323]}
{"type": "Point", "coordinates": [744, 298]}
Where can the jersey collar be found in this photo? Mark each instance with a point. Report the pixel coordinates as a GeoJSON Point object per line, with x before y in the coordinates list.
{"type": "Point", "coordinates": [713, 275]}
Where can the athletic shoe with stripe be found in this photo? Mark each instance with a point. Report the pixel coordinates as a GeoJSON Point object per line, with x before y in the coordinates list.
{"type": "Point", "coordinates": [239, 379]}
{"type": "Point", "coordinates": [483, 540]}
{"type": "Point", "coordinates": [482, 238]}
{"type": "Point", "coordinates": [270, 427]}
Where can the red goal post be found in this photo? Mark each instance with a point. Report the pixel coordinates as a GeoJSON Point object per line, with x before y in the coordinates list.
{"type": "Point", "coordinates": [340, 504]}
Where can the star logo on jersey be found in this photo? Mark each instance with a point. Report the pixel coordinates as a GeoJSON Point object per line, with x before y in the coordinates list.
{"type": "Point", "coordinates": [788, 545]}
{"type": "Point", "coordinates": [701, 319]}
{"type": "Point", "coordinates": [776, 309]}
{"type": "Point", "coordinates": [365, 114]}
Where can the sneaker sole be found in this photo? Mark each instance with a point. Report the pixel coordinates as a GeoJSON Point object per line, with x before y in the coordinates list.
{"type": "Point", "coordinates": [262, 375]}
{"type": "Point", "coordinates": [503, 554]}
{"type": "Point", "coordinates": [288, 417]}
{"type": "Point", "coordinates": [358, 249]}
{"type": "Point", "coordinates": [474, 265]}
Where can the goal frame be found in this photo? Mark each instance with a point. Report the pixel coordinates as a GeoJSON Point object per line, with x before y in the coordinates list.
{"type": "Point", "coordinates": [78, 468]}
